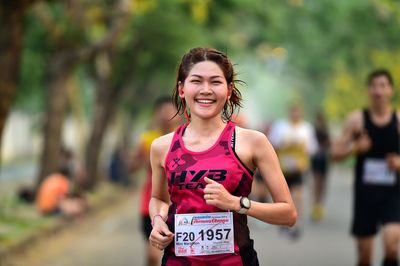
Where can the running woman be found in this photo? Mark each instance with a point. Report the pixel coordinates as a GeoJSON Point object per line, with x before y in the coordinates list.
{"type": "Point", "coordinates": [202, 172]}
{"type": "Point", "coordinates": [372, 135]}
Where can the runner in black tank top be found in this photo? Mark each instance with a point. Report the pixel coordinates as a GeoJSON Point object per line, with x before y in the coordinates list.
{"type": "Point", "coordinates": [376, 202]}
{"type": "Point", "coordinates": [373, 136]}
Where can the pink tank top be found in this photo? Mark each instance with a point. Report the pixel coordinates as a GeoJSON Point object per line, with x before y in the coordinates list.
{"type": "Point", "coordinates": [185, 171]}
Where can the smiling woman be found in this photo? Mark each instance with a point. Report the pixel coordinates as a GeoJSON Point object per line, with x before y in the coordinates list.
{"type": "Point", "coordinates": [220, 76]}
{"type": "Point", "coordinates": [204, 170]}
{"type": "Point", "coordinates": [206, 93]}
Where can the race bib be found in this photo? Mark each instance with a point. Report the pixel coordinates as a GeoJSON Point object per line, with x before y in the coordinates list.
{"type": "Point", "coordinates": [199, 234]}
{"type": "Point", "coordinates": [293, 158]}
{"type": "Point", "coordinates": [376, 172]}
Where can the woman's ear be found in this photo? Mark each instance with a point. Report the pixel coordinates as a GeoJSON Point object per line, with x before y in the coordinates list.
{"type": "Point", "coordinates": [230, 89]}
{"type": "Point", "coordinates": [180, 89]}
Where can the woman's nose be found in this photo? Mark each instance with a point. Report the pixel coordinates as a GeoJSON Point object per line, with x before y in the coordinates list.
{"type": "Point", "coordinates": [206, 87]}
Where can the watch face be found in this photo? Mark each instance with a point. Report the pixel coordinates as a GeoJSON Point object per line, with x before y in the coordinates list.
{"type": "Point", "coordinates": [246, 202]}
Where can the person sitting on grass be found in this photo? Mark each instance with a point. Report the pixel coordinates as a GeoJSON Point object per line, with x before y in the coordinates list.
{"type": "Point", "coordinates": [54, 197]}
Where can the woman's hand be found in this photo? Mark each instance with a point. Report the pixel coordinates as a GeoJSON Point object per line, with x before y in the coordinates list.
{"type": "Point", "coordinates": [160, 236]}
{"type": "Point", "coordinates": [216, 194]}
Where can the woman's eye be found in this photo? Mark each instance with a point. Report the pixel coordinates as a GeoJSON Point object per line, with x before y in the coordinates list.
{"type": "Point", "coordinates": [195, 81]}
{"type": "Point", "coordinates": [216, 82]}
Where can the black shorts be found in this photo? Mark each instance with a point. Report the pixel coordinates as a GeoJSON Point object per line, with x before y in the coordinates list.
{"type": "Point", "coordinates": [372, 210]}
{"type": "Point", "coordinates": [146, 226]}
{"type": "Point", "coordinates": [319, 164]}
{"type": "Point", "coordinates": [294, 179]}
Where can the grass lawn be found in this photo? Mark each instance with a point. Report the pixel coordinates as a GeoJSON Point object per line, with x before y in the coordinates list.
{"type": "Point", "coordinates": [20, 221]}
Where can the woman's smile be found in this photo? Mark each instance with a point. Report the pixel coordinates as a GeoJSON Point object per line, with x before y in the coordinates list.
{"type": "Point", "coordinates": [205, 102]}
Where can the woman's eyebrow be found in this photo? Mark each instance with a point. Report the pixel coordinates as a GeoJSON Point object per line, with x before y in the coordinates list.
{"type": "Point", "coordinates": [211, 77]}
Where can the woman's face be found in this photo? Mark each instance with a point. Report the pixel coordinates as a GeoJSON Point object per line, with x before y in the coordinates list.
{"type": "Point", "coordinates": [205, 90]}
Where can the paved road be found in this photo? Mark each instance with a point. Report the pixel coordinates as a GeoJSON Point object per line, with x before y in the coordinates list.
{"type": "Point", "coordinates": [112, 237]}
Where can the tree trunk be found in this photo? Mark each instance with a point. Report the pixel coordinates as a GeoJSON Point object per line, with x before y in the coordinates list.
{"type": "Point", "coordinates": [105, 106]}
{"type": "Point", "coordinates": [11, 33]}
{"type": "Point", "coordinates": [59, 73]}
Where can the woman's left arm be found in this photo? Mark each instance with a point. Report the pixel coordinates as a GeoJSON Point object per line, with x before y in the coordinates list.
{"type": "Point", "coordinates": [282, 211]}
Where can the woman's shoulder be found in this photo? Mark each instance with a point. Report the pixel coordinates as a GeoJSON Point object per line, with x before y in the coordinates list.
{"type": "Point", "coordinates": [250, 135]}
{"type": "Point", "coordinates": [249, 143]}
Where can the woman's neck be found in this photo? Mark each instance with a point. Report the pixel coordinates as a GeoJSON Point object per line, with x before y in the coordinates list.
{"type": "Point", "coordinates": [205, 128]}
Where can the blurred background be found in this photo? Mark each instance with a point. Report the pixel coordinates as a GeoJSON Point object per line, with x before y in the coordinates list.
{"type": "Point", "coordinates": [84, 75]}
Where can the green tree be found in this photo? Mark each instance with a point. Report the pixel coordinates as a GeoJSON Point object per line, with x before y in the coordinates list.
{"type": "Point", "coordinates": [69, 28]}
{"type": "Point", "coordinates": [134, 70]}
{"type": "Point", "coordinates": [11, 35]}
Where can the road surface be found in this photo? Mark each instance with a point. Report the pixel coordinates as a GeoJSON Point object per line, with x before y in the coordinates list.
{"type": "Point", "coordinates": [112, 236]}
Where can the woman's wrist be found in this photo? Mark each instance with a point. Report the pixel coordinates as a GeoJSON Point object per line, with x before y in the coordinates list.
{"type": "Point", "coordinates": [235, 204]}
{"type": "Point", "coordinates": [155, 217]}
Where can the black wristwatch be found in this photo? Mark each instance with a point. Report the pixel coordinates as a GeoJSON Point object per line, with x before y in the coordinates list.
{"type": "Point", "coordinates": [245, 204]}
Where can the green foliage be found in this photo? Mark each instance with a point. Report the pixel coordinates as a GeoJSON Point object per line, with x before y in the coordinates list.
{"type": "Point", "coordinates": [31, 86]}
{"type": "Point", "coordinates": [349, 88]}
{"type": "Point", "coordinates": [323, 47]}
{"type": "Point", "coordinates": [149, 51]}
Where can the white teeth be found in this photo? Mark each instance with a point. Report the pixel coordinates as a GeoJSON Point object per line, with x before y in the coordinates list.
{"type": "Point", "coordinates": [205, 101]}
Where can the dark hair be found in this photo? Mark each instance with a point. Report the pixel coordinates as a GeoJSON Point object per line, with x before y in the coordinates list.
{"type": "Point", "coordinates": [161, 101]}
{"type": "Point", "coordinates": [377, 73]}
{"type": "Point", "coordinates": [26, 194]}
{"type": "Point", "coordinates": [65, 171]}
{"type": "Point", "coordinates": [196, 55]}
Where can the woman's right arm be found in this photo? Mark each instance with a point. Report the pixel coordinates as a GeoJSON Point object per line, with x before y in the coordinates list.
{"type": "Point", "coordinates": [160, 236]}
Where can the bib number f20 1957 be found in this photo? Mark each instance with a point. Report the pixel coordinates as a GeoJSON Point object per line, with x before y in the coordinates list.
{"type": "Point", "coordinates": [199, 234]}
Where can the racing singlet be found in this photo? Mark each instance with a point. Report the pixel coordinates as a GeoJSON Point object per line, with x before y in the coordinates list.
{"type": "Point", "coordinates": [372, 171]}
{"type": "Point", "coordinates": [185, 171]}
{"type": "Point", "coordinates": [294, 158]}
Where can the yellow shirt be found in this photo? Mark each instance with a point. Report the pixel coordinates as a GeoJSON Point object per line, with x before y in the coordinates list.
{"type": "Point", "coordinates": [147, 138]}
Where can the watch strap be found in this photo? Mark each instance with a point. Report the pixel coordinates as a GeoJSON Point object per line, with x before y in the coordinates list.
{"type": "Point", "coordinates": [242, 210]}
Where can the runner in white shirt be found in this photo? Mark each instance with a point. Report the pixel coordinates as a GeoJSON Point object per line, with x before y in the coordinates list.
{"type": "Point", "coordinates": [294, 141]}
